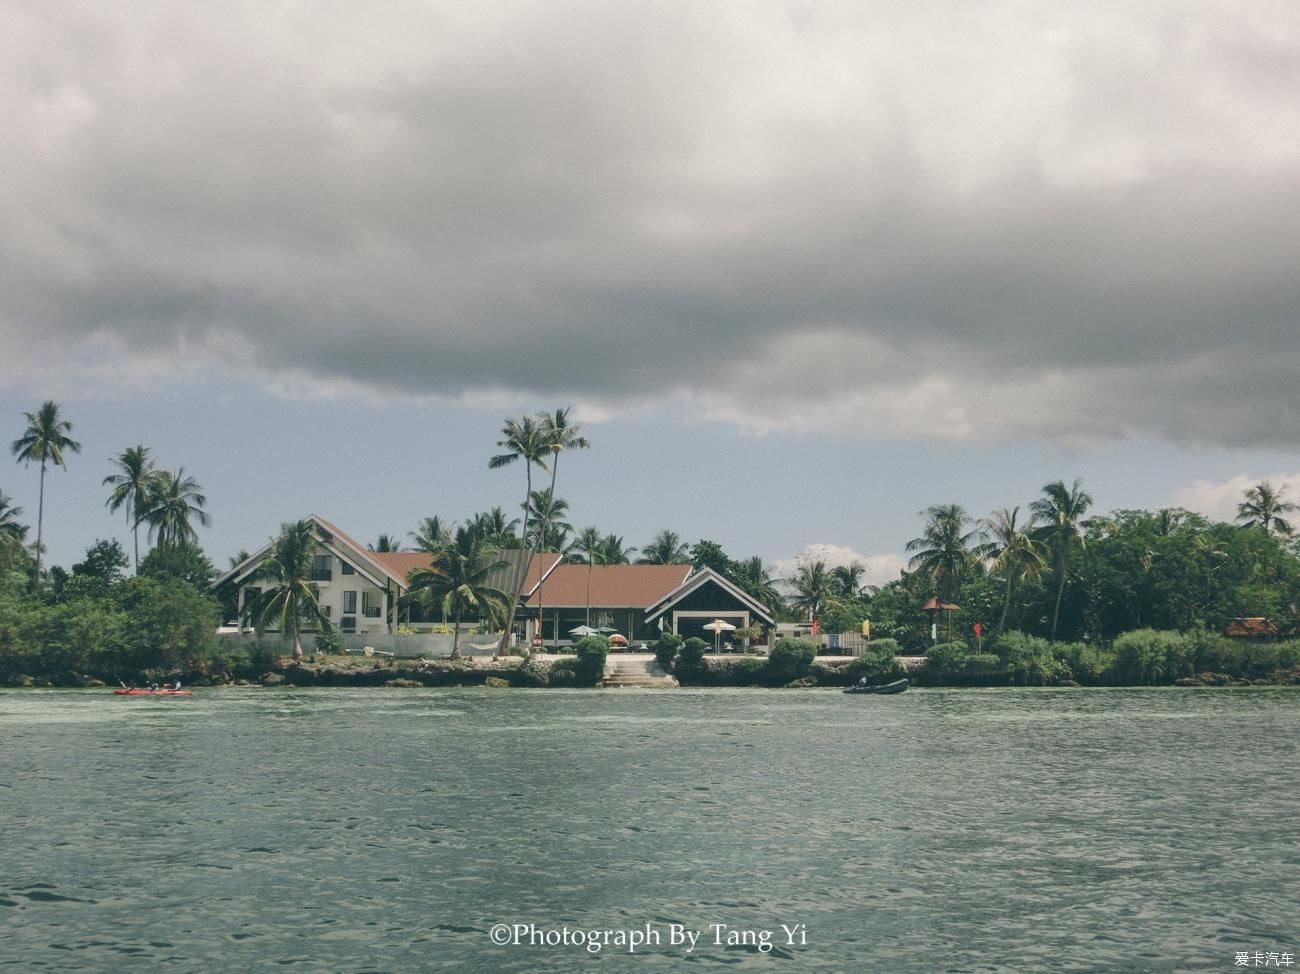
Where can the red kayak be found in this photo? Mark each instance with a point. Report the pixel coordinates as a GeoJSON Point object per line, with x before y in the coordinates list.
{"type": "Point", "coordinates": [153, 693]}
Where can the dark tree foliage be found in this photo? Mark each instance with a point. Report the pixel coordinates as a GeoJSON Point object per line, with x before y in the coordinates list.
{"type": "Point", "coordinates": [183, 562]}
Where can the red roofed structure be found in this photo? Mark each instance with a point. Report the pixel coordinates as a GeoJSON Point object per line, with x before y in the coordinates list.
{"type": "Point", "coordinates": [361, 591]}
{"type": "Point", "coordinates": [1250, 627]}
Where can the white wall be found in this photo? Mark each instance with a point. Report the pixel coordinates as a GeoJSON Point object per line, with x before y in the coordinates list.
{"type": "Point", "coordinates": [332, 597]}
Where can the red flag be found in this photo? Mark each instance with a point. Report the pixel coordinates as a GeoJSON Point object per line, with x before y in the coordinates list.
{"type": "Point", "coordinates": [979, 630]}
{"type": "Point", "coordinates": [816, 626]}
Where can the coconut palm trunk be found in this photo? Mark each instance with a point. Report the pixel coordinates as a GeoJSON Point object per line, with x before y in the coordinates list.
{"type": "Point", "coordinates": [1061, 569]}
{"type": "Point", "coordinates": [40, 520]}
{"type": "Point", "coordinates": [1006, 605]}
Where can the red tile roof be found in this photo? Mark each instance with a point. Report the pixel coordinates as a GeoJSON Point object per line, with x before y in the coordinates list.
{"type": "Point", "coordinates": [1253, 626]}
{"type": "Point", "coordinates": [612, 586]}
{"type": "Point", "coordinates": [400, 563]}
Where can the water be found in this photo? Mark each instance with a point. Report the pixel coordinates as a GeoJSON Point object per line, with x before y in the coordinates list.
{"type": "Point", "coordinates": [390, 830]}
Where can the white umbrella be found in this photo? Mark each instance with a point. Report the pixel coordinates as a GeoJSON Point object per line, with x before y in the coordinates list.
{"type": "Point", "coordinates": [718, 626]}
{"type": "Point", "coordinates": [582, 631]}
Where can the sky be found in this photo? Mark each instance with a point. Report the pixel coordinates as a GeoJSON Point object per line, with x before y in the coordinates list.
{"type": "Point", "coordinates": [802, 269]}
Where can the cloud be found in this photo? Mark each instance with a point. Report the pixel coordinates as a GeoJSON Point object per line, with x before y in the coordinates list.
{"type": "Point", "coordinates": [1219, 500]}
{"type": "Point", "coordinates": [1069, 222]}
{"type": "Point", "coordinates": [879, 568]}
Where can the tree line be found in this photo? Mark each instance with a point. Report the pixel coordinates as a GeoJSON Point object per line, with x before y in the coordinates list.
{"type": "Point", "coordinates": [1054, 569]}
{"type": "Point", "coordinates": [1051, 568]}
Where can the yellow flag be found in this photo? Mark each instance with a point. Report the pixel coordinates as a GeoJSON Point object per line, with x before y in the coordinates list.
{"type": "Point", "coordinates": [866, 628]}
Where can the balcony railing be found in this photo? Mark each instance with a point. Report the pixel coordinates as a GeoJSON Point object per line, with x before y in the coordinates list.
{"type": "Point", "coordinates": [321, 574]}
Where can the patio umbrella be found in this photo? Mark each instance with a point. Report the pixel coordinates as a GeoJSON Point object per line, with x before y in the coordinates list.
{"type": "Point", "coordinates": [582, 631]}
{"type": "Point", "coordinates": [606, 630]}
{"type": "Point", "coordinates": [718, 626]}
{"type": "Point", "coordinates": [618, 639]}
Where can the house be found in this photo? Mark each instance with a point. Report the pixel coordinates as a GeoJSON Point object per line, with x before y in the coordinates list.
{"type": "Point", "coordinates": [361, 590]}
{"type": "Point", "coordinates": [639, 601]}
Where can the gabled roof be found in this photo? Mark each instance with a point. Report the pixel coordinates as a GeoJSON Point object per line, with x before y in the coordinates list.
{"type": "Point", "coordinates": [400, 564]}
{"type": "Point", "coordinates": [334, 540]}
{"type": "Point", "coordinates": [699, 580]}
{"type": "Point", "coordinates": [612, 586]}
{"type": "Point", "coordinates": [385, 567]}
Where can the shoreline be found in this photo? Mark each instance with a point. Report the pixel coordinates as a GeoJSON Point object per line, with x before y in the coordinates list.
{"type": "Point", "coordinates": [535, 672]}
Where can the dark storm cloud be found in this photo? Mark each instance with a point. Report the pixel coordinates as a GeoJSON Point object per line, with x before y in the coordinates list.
{"type": "Point", "coordinates": [1061, 221]}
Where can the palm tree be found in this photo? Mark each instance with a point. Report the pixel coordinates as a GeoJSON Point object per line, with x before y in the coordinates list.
{"type": "Point", "coordinates": [12, 536]}
{"type": "Point", "coordinates": [1012, 549]}
{"type": "Point", "coordinates": [1169, 519]}
{"type": "Point", "coordinates": [549, 529]}
{"type": "Point", "coordinates": [559, 435]}
{"type": "Point", "coordinates": [136, 470]}
{"type": "Point", "coordinates": [1061, 510]}
{"type": "Point", "coordinates": [612, 551]}
{"type": "Point", "coordinates": [848, 579]}
{"type": "Point", "coordinates": [431, 535]}
{"type": "Point", "coordinates": [46, 439]}
{"type": "Point", "coordinates": [294, 599]}
{"type": "Point", "coordinates": [385, 544]}
{"type": "Point", "coordinates": [813, 588]}
{"type": "Point", "coordinates": [9, 525]}
{"type": "Point", "coordinates": [172, 501]}
{"type": "Point", "coordinates": [550, 532]}
{"type": "Point", "coordinates": [1264, 507]}
{"type": "Point", "coordinates": [521, 439]}
{"type": "Point", "coordinates": [458, 579]}
{"type": "Point", "coordinates": [588, 545]}
{"type": "Point", "coordinates": [495, 530]}
{"type": "Point", "coordinates": [666, 549]}
{"type": "Point", "coordinates": [942, 550]}
{"type": "Point", "coordinates": [755, 578]}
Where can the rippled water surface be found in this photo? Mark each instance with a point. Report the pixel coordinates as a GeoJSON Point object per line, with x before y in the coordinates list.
{"type": "Point", "coordinates": [390, 830]}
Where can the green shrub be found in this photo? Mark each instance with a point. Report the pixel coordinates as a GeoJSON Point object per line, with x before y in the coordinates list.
{"type": "Point", "coordinates": [1030, 660]}
{"type": "Point", "coordinates": [329, 642]}
{"type": "Point", "coordinates": [1089, 664]}
{"type": "Point", "coordinates": [564, 673]}
{"type": "Point", "coordinates": [692, 652]}
{"type": "Point", "coordinates": [738, 671]}
{"type": "Point", "coordinates": [790, 659]}
{"type": "Point", "coordinates": [591, 654]}
{"type": "Point", "coordinates": [1219, 654]}
{"type": "Point", "coordinates": [875, 666]}
{"type": "Point", "coordinates": [955, 663]}
{"type": "Point", "coordinates": [947, 656]}
{"type": "Point", "coordinates": [885, 645]}
{"type": "Point", "coordinates": [666, 647]}
{"type": "Point", "coordinates": [1150, 657]}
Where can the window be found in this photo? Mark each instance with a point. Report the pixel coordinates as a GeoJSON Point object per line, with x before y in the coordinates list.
{"type": "Point", "coordinates": [350, 603]}
{"type": "Point", "coordinates": [345, 568]}
{"type": "Point", "coordinates": [320, 568]}
{"type": "Point", "coordinates": [327, 609]}
{"type": "Point", "coordinates": [370, 605]}
{"type": "Point", "coordinates": [348, 624]}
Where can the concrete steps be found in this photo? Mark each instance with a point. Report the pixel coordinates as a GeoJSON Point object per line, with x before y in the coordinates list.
{"type": "Point", "coordinates": [636, 672]}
